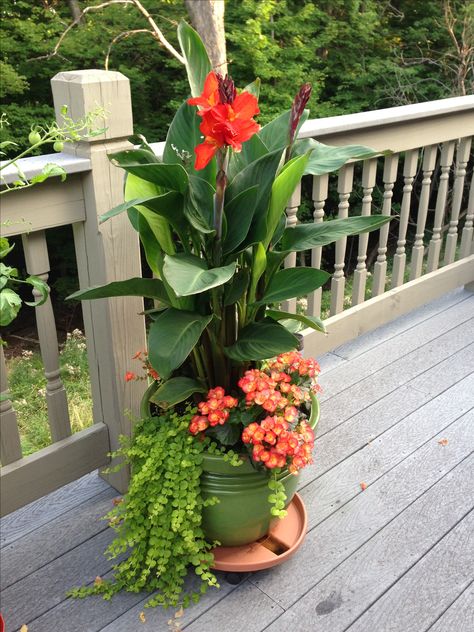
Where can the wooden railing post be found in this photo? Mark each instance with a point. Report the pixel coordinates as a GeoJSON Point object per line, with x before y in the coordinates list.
{"type": "Point", "coordinates": [10, 446]}
{"type": "Point", "coordinates": [291, 221]}
{"type": "Point", "coordinates": [37, 263]}
{"type": "Point", "coordinates": [106, 252]}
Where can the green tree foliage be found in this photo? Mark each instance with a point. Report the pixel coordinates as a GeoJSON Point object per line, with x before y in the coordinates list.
{"type": "Point", "coordinates": [359, 54]}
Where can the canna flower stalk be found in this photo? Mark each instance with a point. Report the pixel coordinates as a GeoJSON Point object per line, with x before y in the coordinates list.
{"type": "Point", "coordinates": [297, 109]}
{"type": "Point", "coordinates": [227, 121]}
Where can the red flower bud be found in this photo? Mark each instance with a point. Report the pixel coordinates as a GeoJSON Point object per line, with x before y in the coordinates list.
{"type": "Point", "coordinates": [227, 91]}
{"type": "Point", "coordinates": [297, 109]}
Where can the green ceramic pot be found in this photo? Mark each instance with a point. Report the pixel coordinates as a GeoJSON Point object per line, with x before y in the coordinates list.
{"type": "Point", "coordinates": [242, 514]}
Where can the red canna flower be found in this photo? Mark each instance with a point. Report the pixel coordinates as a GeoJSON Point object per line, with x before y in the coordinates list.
{"type": "Point", "coordinates": [210, 94]}
{"type": "Point", "coordinates": [227, 119]}
{"type": "Point", "coordinates": [129, 376]}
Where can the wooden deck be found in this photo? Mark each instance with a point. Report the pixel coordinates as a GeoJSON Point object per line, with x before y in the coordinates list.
{"type": "Point", "coordinates": [397, 416]}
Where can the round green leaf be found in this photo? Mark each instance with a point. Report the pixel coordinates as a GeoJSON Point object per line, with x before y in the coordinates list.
{"type": "Point", "coordinates": [260, 341]}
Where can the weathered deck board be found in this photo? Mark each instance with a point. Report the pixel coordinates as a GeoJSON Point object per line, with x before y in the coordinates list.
{"type": "Point", "coordinates": [375, 418]}
{"type": "Point", "coordinates": [353, 586]}
{"type": "Point", "coordinates": [420, 596]}
{"type": "Point", "coordinates": [389, 397]}
{"type": "Point", "coordinates": [460, 614]}
{"type": "Point", "coordinates": [45, 509]}
{"type": "Point", "coordinates": [388, 379]}
{"type": "Point", "coordinates": [343, 532]}
{"type": "Point", "coordinates": [40, 547]}
{"type": "Point", "coordinates": [392, 350]}
{"type": "Point", "coordinates": [339, 484]}
{"type": "Point", "coordinates": [374, 338]}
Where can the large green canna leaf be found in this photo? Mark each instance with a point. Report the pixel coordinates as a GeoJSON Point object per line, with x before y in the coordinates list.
{"type": "Point", "coordinates": [195, 57]}
{"type": "Point", "coordinates": [156, 234]}
{"type": "Point", "coordinates": [169, 206]}
{"type": "Point", "coordinates": [150, 288]}
{"type": "Point", "coordinates": [308, 321]}
{"type": "Point", "coordinates": [259, 265]}
{"type": "Point", "coordinates": [189, 275]}
{"type": "Point", "coordinates": [260, 341]}
{"type": "Point", "coordinates": [239, 213]}
{"type": "Point", "coordinates": [252, 150]}
{"type": "Point", "coordinates": [170, 177]}
{"type": "Point", "coordinates": [181, 140]}
{"type": "Point", "coordinates": [326, 158]}
{"type": "Point", "coordinates": [120, 208]}
{"type": "Point", "coordinates": [234, 291]}
{"type": "Point", "coordinates": [275, 133]}
{"type": "Point", "coordinates": [199, 204]}
{"type": "Point", "coordinates": [282, 189]}
{"type": "Point", "coordinates": [176, 390]}
{"type": "Point", "coordinates": [172, 337]}
{"type": "Point", "coordinates": [152, 248]}
{"type": "Point", "coordinates": [292, 282]}
{"type": "Point", "coordinates": [305, 236]}
{"type": "Point", "coordinates": [262, 173]}
{"type": "Point", "coordinates": [133, 156]}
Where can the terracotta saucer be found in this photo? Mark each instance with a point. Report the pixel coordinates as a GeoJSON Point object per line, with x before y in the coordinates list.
{"type": "Point", "coordinates": [282, 541]}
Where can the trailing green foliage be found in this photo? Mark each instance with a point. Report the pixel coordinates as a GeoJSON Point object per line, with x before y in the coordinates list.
{"type": "Point", "coordinates": [158, 523]}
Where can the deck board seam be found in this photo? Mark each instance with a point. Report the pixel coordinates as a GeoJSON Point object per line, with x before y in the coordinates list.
{"type": "Point", "coordinates": [409, 569]}
{"type": "Point", "coordinates": [104, 492]}
{"type": "Point", "coordinates": [397, 465]}
{"type": "Point", "coordinates": [278, 605]}
{"type": "Point", "coordinates": [368, 539]}
{"type": "Point", "coordinates": [468, 587]}
{"type": "Point", "coordinates": [412, 412]}
{"type": "Point", "coordinates": [396, 388]}
{"type": "Point", "coordinates": [337, 351]}
{"type": "Point", "coordinates": [59, 556]}
{"type": "Point", "coordinates": [398, 333]}
{"type": "Point", "coordinates": [460, 324]}
{"type": "Point", "coordinates": [45, 498]}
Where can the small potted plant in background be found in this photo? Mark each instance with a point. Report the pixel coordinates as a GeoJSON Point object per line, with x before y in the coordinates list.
{"type": "Point", "coordinates": [228, 419]}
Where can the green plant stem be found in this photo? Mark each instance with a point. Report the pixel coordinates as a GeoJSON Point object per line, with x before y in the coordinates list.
{"type": "Point", "coordinates": [25, 153]}
{"type": "Point", "coordinates": [199, 364]}
{"type": "Point", "coordinates": [221, 183]}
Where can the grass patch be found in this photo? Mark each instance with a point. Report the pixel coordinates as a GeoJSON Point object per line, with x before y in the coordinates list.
{"type": "Point", "coordinates": [27, 386]}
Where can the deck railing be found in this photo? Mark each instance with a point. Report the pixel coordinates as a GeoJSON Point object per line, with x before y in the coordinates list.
{"type": "Point", "coordinates": [428, 250]}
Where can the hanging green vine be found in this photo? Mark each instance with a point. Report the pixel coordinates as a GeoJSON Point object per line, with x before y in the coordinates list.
{"type": "Point", "coordinates": [159, 520]}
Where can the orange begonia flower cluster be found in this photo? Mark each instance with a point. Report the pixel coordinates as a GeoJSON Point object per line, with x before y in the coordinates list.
{"type": "Point", "coordinates": [213, 411]}
{"type": "Point", "coordinates": [227, 117]}
{"type": "Point", "coordinates": [276, 445]}
{"type": "Point", "coordinates": [282, 438]}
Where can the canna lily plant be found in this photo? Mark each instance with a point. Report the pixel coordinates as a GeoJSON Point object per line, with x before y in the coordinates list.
{"type": "Point", "coordinates": [222, 361]}
{"type": "Point", "coordinates": [211, 219]}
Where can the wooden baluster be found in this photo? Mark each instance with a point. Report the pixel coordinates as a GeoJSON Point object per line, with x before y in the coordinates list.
{"type": "Point", "coordinates": [434, 249]}
{"type": "Point", "coordinates": [399, 260]}
{"type": "Point", "coordinates": [10, 446]}
{"type": "Point", "coordinates": [468, 230]}
{"type": "Point", "coordinates": [320, 193]}
{"type": "Point", "coordinates": [462, 156]}
{"type": "Point", "coordinates": [369, 174]}
{"type": "Point", "coordinates": [429, 161]}
{"type": "Point", "coordinates": [380, 267]}
{"type": "Point", "coordinates": [338, 281]}
{"type": "Point", "coordinates": [37, 263]}
{"type": "Point", "coordinates": [291, 221]}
